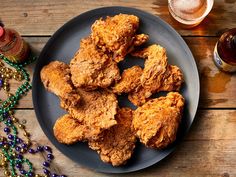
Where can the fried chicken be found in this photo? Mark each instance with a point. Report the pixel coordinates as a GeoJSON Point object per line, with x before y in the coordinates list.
{"type": "Point", "coordinates": [117, 34]}
{"type": "Point", "coordinates": [140, 39]}
{"type": "Point", "coordinates": [116, 144]}
{"type": "Point", "coordinates": [97, 110]}
{"type": "Point", "coordinates": [137, 41]}
{"type": "Point", "coordinates": [172, 80]}
{"type": "Point", "coordinates": [139, 96]}
{"type": "Point", "coordinates": [154, 67]}
{"type": "Point", "coordinates": [56, 78]}
{"type": "Point", "coordinates": [68, 130]}
{"type": "Point", "coordinates": [157, 75]}
{"type": "Point", "coordinates": [91, 68]}
{"type": "Point", "coordinates": [130, 79]}
{"type": "Point", "coordinates": [157, 121]}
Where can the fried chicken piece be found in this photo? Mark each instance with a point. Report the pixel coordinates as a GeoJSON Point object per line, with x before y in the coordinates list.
{"type": "Point", "coordinates": [91, 68]}
{"type": "Point", "coordinates": [68, 130]}
{"type": "Point", "coordinates": [157, 121]}
{"type": "Point", "coordinates": [173, 79]}
{"type": "Point", "coordinates": [97, 110]}
{"type": "Point", "coordinates": [116, 145]}
{"type": "Point", "coordinates": [130, 79]}
{"type": "Point", "coordinates": [140, 39]}
{"type": "Point", "coordinates": [115, 34]}
{"type": "Point", "coordinates": [139, 96]}
{"type": "Point", "coordinates": [157, 75]}
{"type": "Point", "coordinates": [154, 67]}
{"type": "Point", "coordinates": [56, 79]}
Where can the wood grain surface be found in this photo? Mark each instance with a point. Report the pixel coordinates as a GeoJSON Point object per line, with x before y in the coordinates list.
{"type": "Point", "coordinates": [210, 147]}
{"type": "Point", "coordinates": [44, 17]}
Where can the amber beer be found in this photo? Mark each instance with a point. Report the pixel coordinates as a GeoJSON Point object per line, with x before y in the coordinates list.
{"type": "Point", "coordinates": [225, 51]}
{"type": "Point", "coordinates": [189, 13]}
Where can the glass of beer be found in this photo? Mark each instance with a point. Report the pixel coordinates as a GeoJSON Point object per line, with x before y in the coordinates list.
{"type": "Point", "coordinates": [189, 13]}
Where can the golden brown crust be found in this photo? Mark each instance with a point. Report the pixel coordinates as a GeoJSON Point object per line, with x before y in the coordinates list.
{"type": "Point", "coordinates": [157, 75]}
{"type": "Point", "coordinates": [139, 96]}
{"type": "Point", "coordinates": [68, 130]}
{"type": "Point", "coordinates": [91, 68]}
{"type": "Point", "coordinates": [115, 34]}
{"type": "Point", "coordinates": [154, 68]}
{"type": "Point", "coordinates": [116, 144]}
{"type": "Point", "coordinates": [56, 79]}
{"type": "Point", "coordinates": [156, 122]}
{"type": "Point", "coordinates": [96, 110]}
{"type": "Point", "coordinates": [140, 39]}
{"type": "Point", "coordinates": [172, 80]}
{"type": "Point", "coordinates": [130, 80]}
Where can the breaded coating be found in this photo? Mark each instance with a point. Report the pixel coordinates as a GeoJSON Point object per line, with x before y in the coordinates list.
{"type": "Point", "coordinates": [157, 75]}
{"type": "Point", "coordinates": [139, 96]}
{"type": "Point", "coordinates": [140, 39]}
{"type": "Point", "coordinates": [154, 67]}
{"type": "Point", "coordinates": [68, 130]}
{"type": "Point", "coordinates": [173, 79]}
{"type": "Point", "coordinates": [115, 34]}
{"type": "Point", "coordinates": [56, 78]}
{"type": "Point", "coordinates": [116, 145]}
{"type": "Point", "coordinates": [130, 80]}
{"type": "Point", "coordinates": [91, 68]}
{"type": "Point", "coordinates": [97, 110]}
{"type": "Point", "coordinates": [157, 121]}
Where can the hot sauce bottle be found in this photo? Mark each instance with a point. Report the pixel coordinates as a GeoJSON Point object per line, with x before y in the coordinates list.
{"type": "Point", "coordinates": [13, 46]}
{"type": "Point", "coordinates": [225, 51]}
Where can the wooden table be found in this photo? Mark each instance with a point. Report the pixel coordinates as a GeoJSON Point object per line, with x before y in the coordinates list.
{"type": "Point", "coordinates": [210, 147]}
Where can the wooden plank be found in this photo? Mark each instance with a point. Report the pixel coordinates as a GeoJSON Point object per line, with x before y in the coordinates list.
{"type": "Point", "coordinates": [208, 149]}
{"type": "Point", "coordinates": [45, 17]}
{"type": "Point", "coordinates": [217, 88]}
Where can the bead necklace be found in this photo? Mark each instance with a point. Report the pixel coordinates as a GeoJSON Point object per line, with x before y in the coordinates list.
{"type": "Point", "coordinates": [13, 148]}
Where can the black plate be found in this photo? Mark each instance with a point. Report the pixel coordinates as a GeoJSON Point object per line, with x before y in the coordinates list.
{"type": "Point", "coordinates": [62, 46]}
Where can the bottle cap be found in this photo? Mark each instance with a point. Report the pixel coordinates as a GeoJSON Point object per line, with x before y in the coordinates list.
{"type": "Point", "coordinates": [1, 31]}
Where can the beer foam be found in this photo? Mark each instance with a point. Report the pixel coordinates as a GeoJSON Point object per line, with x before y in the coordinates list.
{"type": "Point", "coordinates": [189, 9]}
{"type": "Point", "coordinates": [189, 6]}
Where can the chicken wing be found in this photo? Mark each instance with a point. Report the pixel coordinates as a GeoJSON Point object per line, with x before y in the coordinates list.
{"type": "Point", "coordinates": [117, 34]}
{"type": "Point", "coordinates": [116, 144]}
{"type": "Point", "coordinates": [154, 67]}
{"type": "Point", "coordinates": [139, 96]}
{"type": "Point", "coordinates": [91, 68]}
{"type": "Point", "coordinates": [97, 110]}
{"type": "Point", "coordinates": [157, 75]}
{"type": "Point", "coordinates": [173, 79]}
{"type": "Point", "coordinates": [56, 79]}
{"type": "Point", "coordinates": [130, 79]}
{"type": "Point", "coordinates": [156, 122]}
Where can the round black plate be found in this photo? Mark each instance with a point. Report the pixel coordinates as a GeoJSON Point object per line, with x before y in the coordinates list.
{"type": "Point", "coordinates": [62, 46]}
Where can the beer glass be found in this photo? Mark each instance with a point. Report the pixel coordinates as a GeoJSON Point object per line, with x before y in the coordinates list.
{"type": "Point", "coordinates": [189, 13]}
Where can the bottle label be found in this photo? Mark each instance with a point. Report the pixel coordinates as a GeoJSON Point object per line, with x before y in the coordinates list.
{"type": "Point", "coordinates": [221, 64]}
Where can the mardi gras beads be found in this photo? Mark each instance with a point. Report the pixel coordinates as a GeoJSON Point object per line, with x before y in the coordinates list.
{"type": "Point", "coordinates": [13, 148]}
